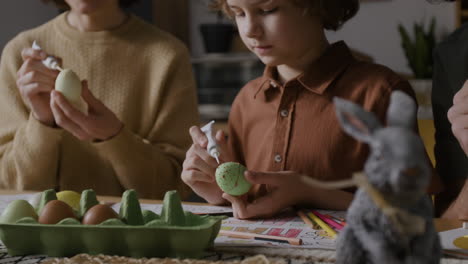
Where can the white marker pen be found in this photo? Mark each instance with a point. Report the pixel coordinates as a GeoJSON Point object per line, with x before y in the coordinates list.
{"type": "Point", "coordinates": [50, 62]}
{"type": "Point", "coordinates": [212, 148]}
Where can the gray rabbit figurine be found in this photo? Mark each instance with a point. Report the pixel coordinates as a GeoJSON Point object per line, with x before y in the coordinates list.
{"type": "Point", "coordinates": [397, 168]}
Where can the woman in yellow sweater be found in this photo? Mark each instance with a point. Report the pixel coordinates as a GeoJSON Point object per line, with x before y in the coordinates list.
{"type": "Point", "coordinates": [141, 99]}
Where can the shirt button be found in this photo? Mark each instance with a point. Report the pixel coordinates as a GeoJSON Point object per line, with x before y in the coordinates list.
{"type": "Point", "coordinates": [278, 158]}
{"type": "Point", "coordinates": [284, 113]}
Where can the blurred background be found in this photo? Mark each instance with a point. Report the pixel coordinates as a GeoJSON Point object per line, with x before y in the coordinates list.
{"type": "Point", "coordinates": [384, 31]}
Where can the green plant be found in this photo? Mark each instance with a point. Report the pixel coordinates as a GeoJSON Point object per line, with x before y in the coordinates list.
{"type": "Point", "coordinates": [418, 51]}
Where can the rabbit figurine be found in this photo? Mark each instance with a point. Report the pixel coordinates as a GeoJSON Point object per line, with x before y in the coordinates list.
{"type": "Point", "coordinates": [398, 170]}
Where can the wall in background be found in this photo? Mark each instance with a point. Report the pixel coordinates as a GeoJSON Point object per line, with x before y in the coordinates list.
{"type": "Point", "coordinates": [372, 31]}
{"type": "Point", "coordinates": [19, 15]}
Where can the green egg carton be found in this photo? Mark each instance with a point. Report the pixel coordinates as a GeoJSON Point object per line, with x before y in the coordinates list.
{"type": "Point", "coordinates": [136, 233]}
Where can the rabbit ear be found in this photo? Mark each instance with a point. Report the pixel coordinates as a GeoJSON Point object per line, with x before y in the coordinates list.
{"type": "Point", "coordinates": [355, 121]}
{"type": "Point", "coordinates": [402, 110]}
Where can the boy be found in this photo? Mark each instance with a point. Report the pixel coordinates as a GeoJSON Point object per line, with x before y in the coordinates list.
{"type": "Point", "coordinates": [283, 124]}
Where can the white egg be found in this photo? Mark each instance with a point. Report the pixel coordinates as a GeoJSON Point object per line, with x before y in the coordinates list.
{"type": "Point", "coordinates": [69, 85]}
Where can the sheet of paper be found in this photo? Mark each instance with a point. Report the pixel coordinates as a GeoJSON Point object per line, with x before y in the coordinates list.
{"type": "Point", "coordinates": [447, 238]}
{"type": "Point", "coordinates": [286, 225]}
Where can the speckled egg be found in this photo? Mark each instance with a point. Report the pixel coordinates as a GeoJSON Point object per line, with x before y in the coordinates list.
{"type": "Point", "coordinates": [230, 178]}
{"type": "Point", "coordinates": [55, 211]}
{"type": "Point", "coordinates": [98, 214]}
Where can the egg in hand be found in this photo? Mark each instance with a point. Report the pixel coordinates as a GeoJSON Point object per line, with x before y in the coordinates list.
{"type": "Point", "coordinates": [69, 85]}
{"type": "Point", "coordinates": [230, 178]}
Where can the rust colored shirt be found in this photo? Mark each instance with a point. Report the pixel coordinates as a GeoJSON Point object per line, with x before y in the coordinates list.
{"type": "Point", "coordinates": [293, 127]}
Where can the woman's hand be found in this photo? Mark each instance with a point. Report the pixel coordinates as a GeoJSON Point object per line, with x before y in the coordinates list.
{"type": "Point", "coordinates": [458, 117]}
{"type": "Point", "coordinates": [285, 189]}
{"type": "Point", "coordinates": [199, 167]}
{"type": "Point", "coordinates": [100, 124]}
{"type": "Point", "coordinates": [35, 83]}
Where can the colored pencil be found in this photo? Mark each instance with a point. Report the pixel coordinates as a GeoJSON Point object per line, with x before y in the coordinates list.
{"type": "Point", "coordinates": [310, 223]}
{"type": "Point", "coordinates": [455, 253]}
{"type": "Point", "coordinates": [339, 220]}
{"type": "Point", "coordinates": [322, 224]}
{"type": "Point", "coordinates": [247, 235]}
{"type": "Point", "coordinates": [306, 219]}
{"type": "Point", "coordinates": [328, 220]}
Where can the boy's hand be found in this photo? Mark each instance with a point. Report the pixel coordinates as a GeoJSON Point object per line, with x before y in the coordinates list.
{"type": "Point", "coordinates": [286, 189]}
{"type": "Point", "coordinates": [458, 117]}
{"type": "Point", "coordinates": [100, 123]}
{"type": "Point", "coordinates": [35, 82]}
{"type": "Point", "coordinates": [199, 167]}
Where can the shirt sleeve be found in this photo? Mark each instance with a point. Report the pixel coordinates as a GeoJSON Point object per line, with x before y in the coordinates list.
{"type": "Point", "coordinates": [29, 150]}
{"type": "Point", "coordinates": [153, 165]}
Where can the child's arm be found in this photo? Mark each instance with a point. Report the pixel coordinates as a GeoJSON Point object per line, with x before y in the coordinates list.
{"type": "Point", "coordinates": [286, 189]}
{"type": "Point", "coordinates": [199, 167]}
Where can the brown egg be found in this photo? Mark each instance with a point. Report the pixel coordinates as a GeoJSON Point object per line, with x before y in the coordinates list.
{"type": "Point", "coordinates": [98, 214]}
{"type": "Point", "coordinates": [55, 211]}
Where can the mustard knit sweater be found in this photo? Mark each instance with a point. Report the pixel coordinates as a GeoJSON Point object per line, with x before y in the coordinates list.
{"type": "Point", "coordinates": [138, 71]}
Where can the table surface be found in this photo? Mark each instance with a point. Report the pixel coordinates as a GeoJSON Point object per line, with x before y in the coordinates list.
{"type": "Point", "coordinates": [440, 224]}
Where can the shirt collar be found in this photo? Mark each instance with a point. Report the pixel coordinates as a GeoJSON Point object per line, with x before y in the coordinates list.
{"type": "Point", "coordinates": [319, 75]}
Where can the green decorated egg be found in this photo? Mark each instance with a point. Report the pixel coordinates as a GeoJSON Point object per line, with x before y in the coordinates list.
{"type": "Point", "coordinates": [230, 178]}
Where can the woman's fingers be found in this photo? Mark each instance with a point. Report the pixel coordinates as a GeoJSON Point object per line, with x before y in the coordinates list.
{"type": "Point", "coordinates": [33, 89]}
{"type": "Point", "coordinates": [90, 99]}
{"type": "Point", "coordinates": [33, 65]}
{"type": "Point", "coordinates": [27, 53]}
{"type": "Point", "coordinates": [36, 77]}
{"type": "Point", "coordinates": [65, 122]}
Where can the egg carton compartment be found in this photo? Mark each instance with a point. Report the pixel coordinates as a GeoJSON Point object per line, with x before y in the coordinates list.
{"type": "Point", "coordinates": [134, 233]}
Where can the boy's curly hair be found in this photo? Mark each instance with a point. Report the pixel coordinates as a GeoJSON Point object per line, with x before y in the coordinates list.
{"type": "Point", "coordinates": [61, 4]}
{"type": "Point", "coordinates": [334, 13]}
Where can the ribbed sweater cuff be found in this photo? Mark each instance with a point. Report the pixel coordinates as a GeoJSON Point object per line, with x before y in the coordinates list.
{"type": "Point", "coordinates": [116, 144]}
{"type": "Point", "coordinates": [39, 132]}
